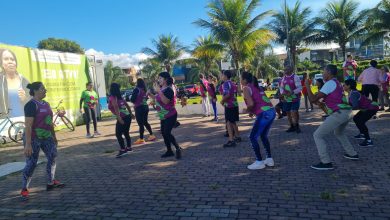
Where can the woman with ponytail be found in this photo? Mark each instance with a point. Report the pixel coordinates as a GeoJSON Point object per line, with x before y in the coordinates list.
{"type": "Point", "coordinates": [165, 105]}
{"type": "Point", "coordinates": [39, 134]}
{"type": "Point", "coordinates": [260, 106]}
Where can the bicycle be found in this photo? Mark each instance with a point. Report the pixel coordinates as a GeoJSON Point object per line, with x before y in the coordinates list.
{"type": "Point", "coordinates": [15, 130]}
{"type": "Point", "coordinates": [60, 113]}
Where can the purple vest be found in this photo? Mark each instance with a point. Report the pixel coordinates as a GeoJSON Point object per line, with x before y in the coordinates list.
{"type": "Point", "coordinates": [364, 102]}
{"type": "Point", "coordinates": [335, 100]}
{"type": "Point", "coordinates": [141, 98]}
{"type": "Point", "coordinates": [288, 84]}
{"type": "Point", "coordinates": [43, 121]}
{"type": "Point", "coordinates": [165, 110]}
{"type": "Point", "coordinates": [232, 101]}
{"type": "Point", "coordinates": [123, 112]}
{"type": "Point", "coordinates": [260, 100]}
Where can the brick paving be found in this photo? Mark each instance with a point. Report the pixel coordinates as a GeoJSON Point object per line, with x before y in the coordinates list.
{"type": "Point", "coordinates": [209, 182]}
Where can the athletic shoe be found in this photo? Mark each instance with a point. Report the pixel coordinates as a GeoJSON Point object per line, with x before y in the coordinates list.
{"type": "Point", "coordinates": [237, 139]}
{"type": "Point", "coordinates": [168, 154]}
{"type": "Point", "coordinates": [96, 133]}
{"type": "Point", "coordinates": [322, 166]}
{"type": "Point", "coordinates": [366, 143]}
{"type": "Point", "coordinates": [269, 162]}
{"type": "Point", "coordinates": [24, 194]}
{"type": "Point", "coordinates": [360, 137]}
{"type": "Point", "coordinates": [121, 153]}
{"type": "Point", "coordinates": [388, 110]}
{"type": "Point", "coordinates": [177, 124]}
{"type": "Point", "coordinates": [356, 157]}
{"type": "Point", "coordinates": [129, 149]}
{"type": "Point", "coordinates": [139, 141]}
{"type": "Point", "coordinates": [230, 144]}
{"type": "Point", "coordinates": [178, 154]}
{"type": "Point", "coordinates": [291, 129]}
{"type": "Point", "coordinates": [151, 138]}
{"type": "Point", "coordinates": [280, 117]}
{"type": "Point", "coordinates": [257, 165]}
{"type": "Point", "coordinates": [89, 135]}
{"type": "Point", "coordinates": [55, 184]}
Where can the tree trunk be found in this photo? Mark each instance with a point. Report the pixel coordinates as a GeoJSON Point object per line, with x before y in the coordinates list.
{"type": "Point", "coordinates": [343, 48]}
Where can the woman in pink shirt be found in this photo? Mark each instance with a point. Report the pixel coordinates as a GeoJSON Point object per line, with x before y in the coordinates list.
{"type": "Point", "coordinates": [371, 79]}
{"type": "Point", "coordinates": [384, 90]}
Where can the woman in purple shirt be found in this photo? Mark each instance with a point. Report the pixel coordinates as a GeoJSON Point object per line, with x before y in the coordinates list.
{"type": "Point", "coordinates": [39, 134]}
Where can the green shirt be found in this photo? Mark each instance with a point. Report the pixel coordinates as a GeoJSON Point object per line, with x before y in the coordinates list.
{"type": "Point", "coordinates": [89, 98]}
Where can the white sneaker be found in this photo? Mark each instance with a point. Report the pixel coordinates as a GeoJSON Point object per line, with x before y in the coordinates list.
{"type": "Point", "coordinates": [89, 136]}
{"type": "Point", "coordinates": [269, 162]}
{"type": "Point", "coordinates": [257, 165]}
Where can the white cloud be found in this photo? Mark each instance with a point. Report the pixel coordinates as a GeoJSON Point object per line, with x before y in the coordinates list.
{"type": "Point", "coordinates": [279, 50]}
{"type": "Point", "coordinates": [123, 60]}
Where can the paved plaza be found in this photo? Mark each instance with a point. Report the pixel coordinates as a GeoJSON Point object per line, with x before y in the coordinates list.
{"type": "Point", "coordinates": [210, 182]}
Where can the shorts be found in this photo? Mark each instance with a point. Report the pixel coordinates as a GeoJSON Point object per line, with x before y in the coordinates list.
{"type": "Point", "coordinates": [231, 114]}
{"type": "Point", "coordinates": [291, 106]}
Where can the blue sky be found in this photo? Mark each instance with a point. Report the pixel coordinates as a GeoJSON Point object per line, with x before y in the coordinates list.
{"type": "Point", "coordinates": [113, 26]}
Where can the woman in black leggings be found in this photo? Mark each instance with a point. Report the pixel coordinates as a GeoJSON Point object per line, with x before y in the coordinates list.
{"type": "Point", "coordinates": [122, 111]}
{"type": "Point", "coordinates": [165, 106]}
{"type": "Point", "coordinates": [139, 99]}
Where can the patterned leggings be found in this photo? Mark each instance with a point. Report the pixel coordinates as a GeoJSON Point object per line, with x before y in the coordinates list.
{"type": "Point", "coordinates": [50, 149]}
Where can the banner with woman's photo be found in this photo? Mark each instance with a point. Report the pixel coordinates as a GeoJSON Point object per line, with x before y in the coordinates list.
{"type": "Point", "coordinates": [63, 74]}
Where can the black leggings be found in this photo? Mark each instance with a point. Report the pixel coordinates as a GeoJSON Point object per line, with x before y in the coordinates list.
{"type": "Point", "coordinates": [123, 129]}
{"type": "Point", "coordinates": [360, 120]}
{"type": "Point", "coordinates": [90, 114]}
{"type": "Point", "coordinates": [141, 115]}
{"type": "Point", "coordinates": [166, 129]}
{"type": "Point", "coordinates": [373, 89]}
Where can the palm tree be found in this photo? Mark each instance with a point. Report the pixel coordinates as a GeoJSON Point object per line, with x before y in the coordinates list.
{"type": "Point", "coordinates": [378, 23]}
{"type": "Point", "coordinates": [207, 51]}
{"type": "Point", "coordinates": [167, 50]}
{"type": "Point", "coordinates": [293, 25]}
{"type": "Point", "coordinates": [231, 23]}
{"type": "Point", "coordinates": [113, 74]}
{"type": "Point", "coordinates": [340, 22]}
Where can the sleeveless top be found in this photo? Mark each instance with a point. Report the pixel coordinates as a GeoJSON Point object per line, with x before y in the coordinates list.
{"type": "Point", "coordinates": [261, 102]}
{"type": "Point", "coordinates": [123, 112]}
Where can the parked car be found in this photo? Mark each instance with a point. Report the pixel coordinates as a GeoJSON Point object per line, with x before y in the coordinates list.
{"type": "Point", "coordinates": [262, 83]}
{"type": "Point", "coordinates": [317, 76]}
{"type": "Point", "coordinates": [275, 83]}
{"type": "Point", "coordinates": [126, 94]}
{"type": "Point", "coordinates": [191, 90]}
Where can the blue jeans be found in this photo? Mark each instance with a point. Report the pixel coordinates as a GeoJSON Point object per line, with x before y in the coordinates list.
{"type": "Point", "coordinates": [214, 104]}
{"type": "Point", "coordinates": [261, 127]}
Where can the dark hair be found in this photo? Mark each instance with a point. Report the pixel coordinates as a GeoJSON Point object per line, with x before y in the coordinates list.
{"type": "Point", "coordinates": [320, 82]}
{"type": "Point", "coordinates": [373, 63]}
{"type": "Point", "coordinates": [115, 90]}
{"type": "Point", "coordinates": [1, 57]}
{"type": "Point", "coordinates": [349, 55]}
{"type": "Point", "coordinates": [141, 84]}
{"type": "Point", "coordinates": [332, 69]}
{"type": "Point", "coordinates": [34, 87]}
{"type": "Point", "coordinates": [250, 79]}
{"type": "Point", "coordinates": [88, 83]}
{"type": "Point", "coordinates": [351, 83]}
{"type": "Point", "coordinates": [201, 76]}
{"type": "Point", "coordinates": [167, 77]}
{"type": "Point", "coordinates": [227, 73]}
